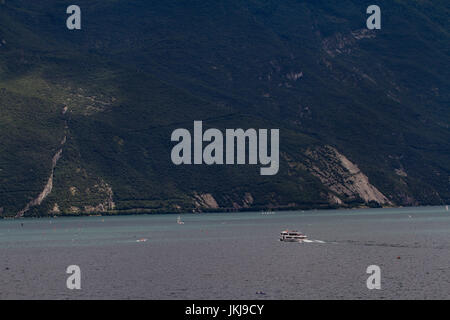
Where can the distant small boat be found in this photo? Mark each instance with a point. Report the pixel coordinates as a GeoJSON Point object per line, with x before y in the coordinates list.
{"type": "Point", "coordinates": [179, 220]}
{"type": "Point", "coordinates": [292, 236]}
{"type": "Point", "coordinates": [142, 240]}
{"type": "Point", "coordinates": [268, 212]}
{"type": "Point", "coordinates": [446, 208]}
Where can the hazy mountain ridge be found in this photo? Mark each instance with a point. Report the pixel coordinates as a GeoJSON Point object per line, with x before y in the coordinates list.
{"type": "Point", "coordinates": [137, 71]}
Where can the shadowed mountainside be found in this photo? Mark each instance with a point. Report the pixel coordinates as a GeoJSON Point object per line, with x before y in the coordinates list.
{"type": "Point", "coordinates": [363, 115]}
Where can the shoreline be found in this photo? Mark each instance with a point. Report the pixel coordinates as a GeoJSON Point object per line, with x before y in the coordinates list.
{"type": "Point", "coordinates": [213, 211]}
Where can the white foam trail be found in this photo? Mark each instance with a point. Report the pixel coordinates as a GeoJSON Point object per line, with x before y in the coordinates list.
{"type": "Point", "coordinates": [313, 241]}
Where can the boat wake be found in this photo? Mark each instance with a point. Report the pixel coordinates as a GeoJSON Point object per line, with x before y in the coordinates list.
{"type": "Point", "coordinates": [313, 241]}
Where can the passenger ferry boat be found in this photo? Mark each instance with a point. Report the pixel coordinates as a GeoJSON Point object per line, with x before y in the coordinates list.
{"type": "Point", "coordinates": [292, 236]}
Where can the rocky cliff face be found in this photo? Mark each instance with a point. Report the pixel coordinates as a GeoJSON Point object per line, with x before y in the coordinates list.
{"type": "Point", "coordinates": [344, 179]}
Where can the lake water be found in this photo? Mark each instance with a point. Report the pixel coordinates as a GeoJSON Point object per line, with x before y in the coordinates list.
{"type": "Point", "coordinates": [230, 256]}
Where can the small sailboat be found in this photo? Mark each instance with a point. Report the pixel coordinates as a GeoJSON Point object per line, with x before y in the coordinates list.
{"type": "Point", "coordinates": [446, 208]}
{"type": "Point", "coordinates": [179, 220]}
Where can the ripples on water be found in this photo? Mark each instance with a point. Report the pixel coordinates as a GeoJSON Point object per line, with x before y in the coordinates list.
{"type": "Point", "coordinates": [230, 255]}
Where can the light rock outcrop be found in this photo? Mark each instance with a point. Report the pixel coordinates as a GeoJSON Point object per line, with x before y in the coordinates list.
{"type": "Point", "coordinates": [205, 200]}
{"type": "Point", "coordinates": [342, 176]}
{"type": "Point", "coordinates": [47, 188]}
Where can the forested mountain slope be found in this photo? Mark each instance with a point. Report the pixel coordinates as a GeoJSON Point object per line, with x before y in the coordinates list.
{"type": "Point", "coordinates": [86, 115]}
